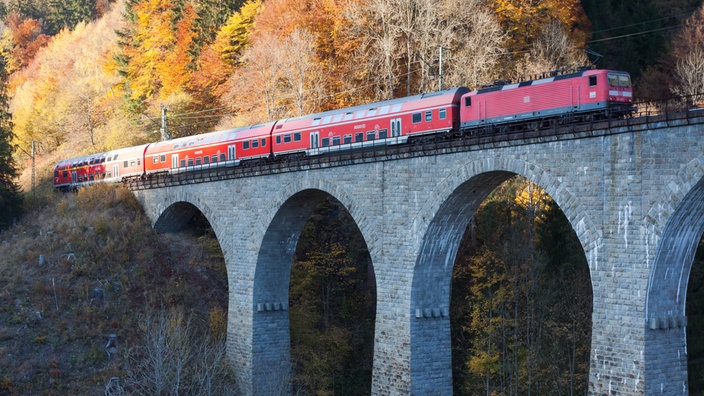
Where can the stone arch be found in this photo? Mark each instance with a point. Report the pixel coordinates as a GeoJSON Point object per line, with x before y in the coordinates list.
{"type": "Point", "coordinates": [270, 317]}
{"type": "Point", "coordinates": [446, 216]}
{"type": "Point", "coordinates": [666, 345]}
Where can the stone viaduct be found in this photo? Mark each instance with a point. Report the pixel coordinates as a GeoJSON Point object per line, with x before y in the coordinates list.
{"type": "Point", "coordinates": [633, 192]}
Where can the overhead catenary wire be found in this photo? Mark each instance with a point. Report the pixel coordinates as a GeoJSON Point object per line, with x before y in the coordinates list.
{"type": "Point", "coordinates": [202, 117]}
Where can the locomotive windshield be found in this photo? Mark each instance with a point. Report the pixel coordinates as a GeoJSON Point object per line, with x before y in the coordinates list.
{"type": "Point", "coordinates": [619, 80]}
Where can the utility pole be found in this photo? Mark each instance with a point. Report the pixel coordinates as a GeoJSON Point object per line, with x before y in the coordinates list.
{"type": "Point", "coordinates": [165, 134]}
{"type": "Point", "coordinates": [440, 73]}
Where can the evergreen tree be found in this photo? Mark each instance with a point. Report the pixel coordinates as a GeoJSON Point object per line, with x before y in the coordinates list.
{"type": "Point", "coordinates": [67, 14]}
{"type": "Point", "coordinates": [10, 198]}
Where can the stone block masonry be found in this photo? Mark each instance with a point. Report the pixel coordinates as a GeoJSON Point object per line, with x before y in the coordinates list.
{"type": "Point", "coordinates": [634, 197]}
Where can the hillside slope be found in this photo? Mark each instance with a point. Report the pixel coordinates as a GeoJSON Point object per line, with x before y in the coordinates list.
{"type": "Point", "coordinates": [86, 266]}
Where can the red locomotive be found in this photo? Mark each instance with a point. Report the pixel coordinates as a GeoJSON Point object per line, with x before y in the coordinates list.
{"type": "Point", "coordinates": [570, 97]}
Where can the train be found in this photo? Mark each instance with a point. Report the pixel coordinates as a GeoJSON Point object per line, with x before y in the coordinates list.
{"type": "Point", "coordinates": [557, 98]}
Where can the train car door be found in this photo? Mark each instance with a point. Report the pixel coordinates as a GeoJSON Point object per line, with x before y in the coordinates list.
{"type": "Point", "coordinates": [116, 170]}
{"type": "Point", "coordinates": [231, 153]}
{"type": "Point", "coordinates": [74, 177]}
{"type": "Point", "coordinates": [314, 140]}
{"type": "Point", "coordinates": [396, 127]}
{"type": "Point", "coordinates": [174, 161]}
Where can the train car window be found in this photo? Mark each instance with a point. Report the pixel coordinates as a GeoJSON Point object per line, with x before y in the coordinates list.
{"type": "Point", "coordinates": [223, 157]}
{"type": "Point", "coordinates": [326, 119]}
{"type": "Point", "coordinates": [206, 160]}
{"type": "Point", "coordinates": [190, 162]}
{"type": "Point", "coordinates": [278, 139]}
{"type": "Point", "coordinates": [429, 115]}
{"type": "Point", "coordinates": [199, 161]}
{"type": "Point", "coordinates": [442, 114]}
{"type": "Point", "coordinates": [183, 163]}
{"type": "Point", "coordinates": [417, 117]}
{"type": "Point", "coordinates": [162, 158]}
{"type": "Point", "coordinates": [190, 144]}
{"type": "Point", "coordinates": [359, 114]}
{"type": "Point", "coordinates": [359, 137]}
{"type": "Point", "coordinates": [215, 158]}
{"type": "Point", "coordinates": [115, 157]}
{"type": "Point", "coordinates": [326, 142]}
{"type": "Point", "coordinates": [263, 140]}
{"type": "Point", "coordinates": [592, 81]}
{"type": "Point", "coordinates": [383, 133]}
{"type": "Point", "coordinates": [125, 164]}
{"type": "Point", "coordinates": [384, 109]}
{"type": "Point", "coordinates": [255, 143]}
{"type": "Point", "coordinates": [92, 177]}
{"type": "Point", "coordinates": [155, 159]}
{"type": "Point", "coordinates": [337, 118]}
{"type": "Point", "coordinates": [245, 145]}
{"type": "Point", "coordinates": [287, 138]}
{"type": "Point", "coordinates": [131, 163]}
{"type": "Point", "coordinates": [347, 139]}
{"type": "Point", "coordinates": [64, 173]}
{"type": "Point", "coordinates": [371, 135]}
{"type": "Point", "coordinates": [348, 116]}
{"type": "Point", "coordinates": [316, 121]}
{"type": "Point", "coordinates": [467, 101]}
{"type": "Point", "coordinates": [335, 140]}
{"type": "Point", "coordinates": [297, 137]}
{"type": "Point", "coordinates": [139, 162]}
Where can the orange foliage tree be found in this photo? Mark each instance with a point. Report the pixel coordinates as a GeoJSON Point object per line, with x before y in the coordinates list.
{"type": "Point", "coordinates": [155, 60]}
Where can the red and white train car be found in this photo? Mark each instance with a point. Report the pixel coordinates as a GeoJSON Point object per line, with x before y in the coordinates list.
{"type": "Point", "coordinates": [388, 122]}
{"type": "Point", "coordinates": [112, 166]}
{"type": "Point", "coordinates": [586, 93]}
{"type": "Point", "coordinates": [222, 148]}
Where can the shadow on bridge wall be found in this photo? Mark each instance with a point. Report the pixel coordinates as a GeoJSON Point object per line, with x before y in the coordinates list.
{"type": "Point", "coordinates": [666, 321]}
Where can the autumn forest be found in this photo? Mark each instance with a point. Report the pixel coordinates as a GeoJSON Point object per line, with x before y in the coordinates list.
{"type": "Point", "coordinates": [86, 76]}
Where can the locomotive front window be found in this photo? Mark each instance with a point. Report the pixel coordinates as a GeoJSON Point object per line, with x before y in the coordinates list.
{"type": "Point", "coordinates": [613, 79]}
{"type": "Point", "coordinates": [624, 81]}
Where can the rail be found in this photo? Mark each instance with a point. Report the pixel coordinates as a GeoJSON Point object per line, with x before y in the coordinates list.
{"type": "Point", "coordinates": [650, 115]}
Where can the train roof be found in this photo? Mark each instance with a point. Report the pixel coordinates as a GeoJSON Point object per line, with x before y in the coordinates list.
{"type": "Point", "coordinates": [543, 79]}
{"type": "Point", "coordinates": [407, 103]}
{"type": "Point", "coordinates": [245, 132]}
